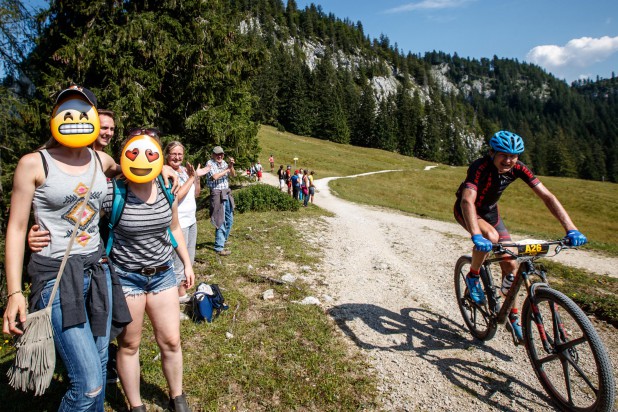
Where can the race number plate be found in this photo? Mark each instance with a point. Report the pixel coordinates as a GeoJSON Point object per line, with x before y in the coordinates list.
{"type": "Point", "coordinates": [533, 249]}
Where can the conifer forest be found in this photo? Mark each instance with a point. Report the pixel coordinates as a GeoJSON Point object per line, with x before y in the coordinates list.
{"type": "Point", "coordinates": [210, 72]}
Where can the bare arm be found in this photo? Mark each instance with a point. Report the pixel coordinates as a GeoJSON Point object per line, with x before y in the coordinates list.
{"type": "Point", "coordinates": [195, 177]}
{"type": "Point", "coordinates": [28, 174]}
{"type": "Point", "coordinates": [181, 249]}
{"type": "Point", "coordinates": [110, 167]}
{"type": "Point", "coordinates": [554, 206]}
{"type": "Point", "coordinates": [468, 209]}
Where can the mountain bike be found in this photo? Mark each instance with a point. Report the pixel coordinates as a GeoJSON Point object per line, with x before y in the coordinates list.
{"type": "Point", "coordinates": [565, 350]}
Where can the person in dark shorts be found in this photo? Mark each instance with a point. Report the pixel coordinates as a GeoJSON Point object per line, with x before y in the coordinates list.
{"type": "Point", "coordinates": [476, 208]}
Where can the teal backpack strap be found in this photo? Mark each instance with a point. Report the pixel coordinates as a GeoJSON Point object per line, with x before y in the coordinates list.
{"type": "Point", "coordinates": [167, 190]}
{"type": "Point", "coordinates": [119, 197]}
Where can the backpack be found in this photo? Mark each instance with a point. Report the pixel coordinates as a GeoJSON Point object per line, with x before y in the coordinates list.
{"type": "Point", "coordinates": [119, 199]}
{"type": "Point", "coordinates": [206, 302]}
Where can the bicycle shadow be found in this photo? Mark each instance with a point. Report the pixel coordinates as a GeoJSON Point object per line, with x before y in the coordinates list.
{"type": "Point", "coordinates": [427, 332]}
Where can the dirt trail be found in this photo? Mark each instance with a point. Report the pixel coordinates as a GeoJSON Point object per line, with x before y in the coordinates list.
{"type": "Point", "coordinates": [388, 277]}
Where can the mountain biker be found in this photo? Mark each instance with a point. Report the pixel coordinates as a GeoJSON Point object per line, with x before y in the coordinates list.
{"type": "Point", "coordinates": [476, 209]}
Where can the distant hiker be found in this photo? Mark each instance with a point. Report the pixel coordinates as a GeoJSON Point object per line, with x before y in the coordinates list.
{"type": "Point", "coordinates": [271, 160]}
{"type": "Point", "coordinates": [311, 187]}
{"type": "Point", "coordinates": [295, 185]}
{"type": "Point", "coordinates": [258, 171]}
{"type": "Point", "coordinates": [305, 187]}
{"type": "Point", "coordinates": [282, 177]}
{"type": "Point", "coordinates": [288, 179]}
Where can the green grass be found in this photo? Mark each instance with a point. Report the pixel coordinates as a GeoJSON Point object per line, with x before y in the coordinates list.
{"type": "Point", "coordinates": [283, 356]}
{"type": "Point", "coordinates": [431, 193]}
{"type": "Point", "coordinates": [597, 295]}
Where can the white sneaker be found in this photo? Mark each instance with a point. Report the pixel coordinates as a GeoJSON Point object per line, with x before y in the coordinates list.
{"type": "Point", "coordinates": [185, 299]}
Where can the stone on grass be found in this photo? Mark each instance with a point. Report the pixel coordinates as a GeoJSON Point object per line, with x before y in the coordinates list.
{"type": "Point", "coordinates": [268, 294]}
{"type": "Point", "coordinates": [288, 278]}
{"type": "Point", "coordinates": [310, 300]}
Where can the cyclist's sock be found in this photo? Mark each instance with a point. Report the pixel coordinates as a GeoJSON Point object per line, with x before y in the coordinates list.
{"type": "Point", "coordinates": [475, 273]}
{"type": "Point", "coordinates": [515, 325]}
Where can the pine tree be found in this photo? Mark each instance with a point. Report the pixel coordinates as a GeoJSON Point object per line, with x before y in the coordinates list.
{"type": "Point", "coordinates": [407, 118]}
{"type": "Point", "coordinates": [385, 125]}
{"type": "Point", "coordinates": [364, 129]}
{"type": "Point", "coordinates": [180, 66]}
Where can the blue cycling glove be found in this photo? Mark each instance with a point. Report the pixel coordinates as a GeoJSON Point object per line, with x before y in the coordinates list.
{"type": "Point", "coordinates": [576, 238]}
{"type": "Point", "coordinates": [481, 244]}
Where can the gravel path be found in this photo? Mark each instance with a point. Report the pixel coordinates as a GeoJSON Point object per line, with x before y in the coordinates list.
{"type": "Point", "coordinates": [389, 279]}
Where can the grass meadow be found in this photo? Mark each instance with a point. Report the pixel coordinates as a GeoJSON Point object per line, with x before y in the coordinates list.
{"type": "Point", "coordinates": [593, 206]}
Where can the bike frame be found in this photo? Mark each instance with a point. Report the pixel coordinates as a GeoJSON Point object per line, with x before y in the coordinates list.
{"type": "Point", "coordinates": [526, 267]}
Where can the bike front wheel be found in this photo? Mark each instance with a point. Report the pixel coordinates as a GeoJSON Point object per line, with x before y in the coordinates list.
{"type": "Point", "coordinates": [573, 365]}
{"type": "Point", "coordinates": [476, 317]}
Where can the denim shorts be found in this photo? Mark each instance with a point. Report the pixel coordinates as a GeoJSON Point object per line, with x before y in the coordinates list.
{"type": "Point", "coordinates": [134, 283]}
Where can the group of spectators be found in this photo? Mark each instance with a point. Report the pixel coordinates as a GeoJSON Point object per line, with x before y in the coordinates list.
{"type": "Point", "coordinates": [104, 295]}
{"type": "Point", "coordinates": [299, 184]}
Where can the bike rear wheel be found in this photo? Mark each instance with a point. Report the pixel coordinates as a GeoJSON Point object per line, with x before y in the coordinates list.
{"type": "Point", "coordinates": [577, 372]}
{"type": "Point", "coordinates": [476, 317]}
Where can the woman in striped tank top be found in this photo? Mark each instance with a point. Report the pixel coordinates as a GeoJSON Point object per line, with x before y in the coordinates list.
{"type": "Point", "coordinates": [142, 256]}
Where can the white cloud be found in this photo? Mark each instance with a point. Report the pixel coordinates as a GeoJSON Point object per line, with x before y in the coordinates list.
{"type": "Point", "coordinates": [429, 5]}
{"type": "Point", "coordinates": [582, 52]}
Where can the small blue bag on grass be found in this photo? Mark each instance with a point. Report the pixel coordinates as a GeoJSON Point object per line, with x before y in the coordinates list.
{"type": "Point", "coordinates": [208, 302]}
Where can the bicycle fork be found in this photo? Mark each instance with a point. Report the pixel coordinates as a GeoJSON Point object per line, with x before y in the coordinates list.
{"type": "Point", "coordinates": [560, 333]}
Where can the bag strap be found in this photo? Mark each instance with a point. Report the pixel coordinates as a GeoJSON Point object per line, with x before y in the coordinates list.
{"type": "Point", "coordinates": [78, 222]}
{"type": "Point", "coordinates": [119, 199]}
{"type": "Point", "coordinates": [167, 190]}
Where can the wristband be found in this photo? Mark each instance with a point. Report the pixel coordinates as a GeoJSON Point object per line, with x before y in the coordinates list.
{"type": "Point", "coordinates": [13, 293]}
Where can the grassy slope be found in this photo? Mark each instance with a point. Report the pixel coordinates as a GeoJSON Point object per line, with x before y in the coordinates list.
{"type": "Point", "coordinates": [431, 193]}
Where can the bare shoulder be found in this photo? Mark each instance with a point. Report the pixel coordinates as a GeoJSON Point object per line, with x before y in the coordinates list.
{"type": "Point", "coordinates": [108, 163]}
{"type": "Point", "coordinates": [29, 169]}
{"type": "Point", "coordinates": [31, 162]}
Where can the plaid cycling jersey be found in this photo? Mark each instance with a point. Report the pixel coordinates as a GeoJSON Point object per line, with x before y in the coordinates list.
{"type": "Point", "coordinates": [222, 183]}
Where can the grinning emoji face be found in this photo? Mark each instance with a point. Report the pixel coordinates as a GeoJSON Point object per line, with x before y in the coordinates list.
{"type": "Point", "coordinates": [141, 159]}
{"type": "Point", "coordinates": [75, 122]}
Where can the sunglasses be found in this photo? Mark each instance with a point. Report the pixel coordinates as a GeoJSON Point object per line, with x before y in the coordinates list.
{"type": "Point", "coordinates": [138, 131]}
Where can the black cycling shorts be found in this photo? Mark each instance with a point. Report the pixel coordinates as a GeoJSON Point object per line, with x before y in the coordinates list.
{"type": "Point", "coordinates": [492, 217]}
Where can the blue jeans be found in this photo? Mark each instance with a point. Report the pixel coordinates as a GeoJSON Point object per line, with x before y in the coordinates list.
{"type": "Point", "coordinates": [84, 355]}
{"type": "Point", "coordinates": [224, 230]}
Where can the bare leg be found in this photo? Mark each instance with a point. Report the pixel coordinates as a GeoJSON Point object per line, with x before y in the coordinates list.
{"type": "Point", "coordinates": [128, 350]}
{"type": "Point", "coordinates": [164, 312]}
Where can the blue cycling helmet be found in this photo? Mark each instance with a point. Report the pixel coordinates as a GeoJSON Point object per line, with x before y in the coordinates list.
{"type": "Point", "coordinates": [507, 142]}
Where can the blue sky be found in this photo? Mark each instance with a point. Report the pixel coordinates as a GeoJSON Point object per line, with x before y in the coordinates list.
{"type": "Point", "coordinates": [570, 39]}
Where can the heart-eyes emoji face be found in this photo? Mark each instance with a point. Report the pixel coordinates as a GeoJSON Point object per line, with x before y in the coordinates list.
{"type": "Point", "coordinates": [75, 122]}
{"type": "Point", "coordinates": [141, 159]}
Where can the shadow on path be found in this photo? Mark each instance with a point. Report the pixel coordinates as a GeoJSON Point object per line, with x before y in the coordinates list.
{"type": "Point", "coordinates": [426, 333]}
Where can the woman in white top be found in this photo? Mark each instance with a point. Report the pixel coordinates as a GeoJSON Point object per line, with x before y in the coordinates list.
{"type": "Point", "coordinates": [190, 188]}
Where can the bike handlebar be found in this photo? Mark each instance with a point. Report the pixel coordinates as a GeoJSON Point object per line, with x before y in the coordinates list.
{"type": "Point", "coordinates": [531, 249]}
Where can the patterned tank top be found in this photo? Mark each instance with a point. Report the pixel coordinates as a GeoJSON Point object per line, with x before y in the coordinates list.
{"type": "Point", "coordinates": [56, 205]}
